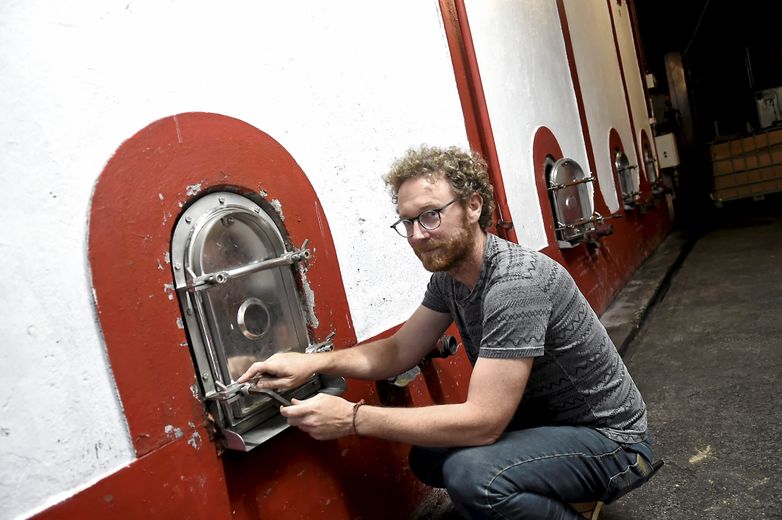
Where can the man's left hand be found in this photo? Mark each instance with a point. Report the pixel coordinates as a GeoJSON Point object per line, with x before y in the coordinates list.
{"type": "Point", "coordinates": [323, 416]}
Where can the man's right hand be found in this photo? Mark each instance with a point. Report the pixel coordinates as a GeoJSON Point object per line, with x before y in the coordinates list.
{"type": "Point", "coordinates": [282, 371]}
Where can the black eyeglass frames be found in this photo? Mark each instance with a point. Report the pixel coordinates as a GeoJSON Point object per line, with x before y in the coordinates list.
{"type": "Point", "coordinates": [429, 220]}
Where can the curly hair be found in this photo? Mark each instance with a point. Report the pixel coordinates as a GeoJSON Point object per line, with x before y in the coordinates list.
{"type": "Point", "coordinates": [466, 172]}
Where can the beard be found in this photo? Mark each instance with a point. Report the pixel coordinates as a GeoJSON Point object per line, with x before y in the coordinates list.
{"type": "Point", "coordinates": [444, 254]}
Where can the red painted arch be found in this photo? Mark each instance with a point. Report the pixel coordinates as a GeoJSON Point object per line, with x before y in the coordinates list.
{"type": "Point", "coordinates": [134, 208]}
{"type": "Point", "coordinates": [545, 144]}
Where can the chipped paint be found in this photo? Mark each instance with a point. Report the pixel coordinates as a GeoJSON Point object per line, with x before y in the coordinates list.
{"type": "Point", "coordinates": [167, 257]}
{"type": "Point", "coordinates": [195, 390]}
{"type": "Point", "coordinates": [95, 296]}
{"type": "Point", "coordinates": [277, 205]}
{"type": "Point", "coordinates": [179, 323]}
{"type": "Point", "coordinates": [172, 432]}
{"type": "Point", "coordinates": [193, 189]}
{"type": "Point", "coordinates": [263, 193]}
{"type": "Point", "coordinates": [195, 441]}
{"type": "Point", "coordinates": [159, 265]}
{"type": "Point", "coordinates": [161, 196]}
{"type": "Point", "coordinates": [309, 298]}
{"type": "Point", "coordinates": [168, 288]}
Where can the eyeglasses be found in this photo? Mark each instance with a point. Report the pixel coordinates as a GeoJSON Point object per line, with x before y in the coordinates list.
{"type": "Point", "coordinates": [429, 220]}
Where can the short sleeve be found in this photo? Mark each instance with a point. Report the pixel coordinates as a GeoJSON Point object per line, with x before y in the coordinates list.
{"type": "Point", "coordinates": [515, 319]}
{"type": "Point", "coordinates": [435, 297]}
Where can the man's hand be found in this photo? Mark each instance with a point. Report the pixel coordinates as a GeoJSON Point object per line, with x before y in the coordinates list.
{"type": "Point", "coordinates": [323, 416]}
{"type": "Point", "coordinates": [282, 371]}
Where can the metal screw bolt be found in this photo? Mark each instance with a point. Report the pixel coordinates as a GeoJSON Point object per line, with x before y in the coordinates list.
{"type": "Point", "coordinates": [221, 200]}
{"type": "Point", "coordinates": [177, 266]}
{"type": "Point", "coordinates": [205, 376]}
{"type": "Point", "coordinates": [188, 219]}
{"type": "Point", "coordinates": [257, 210]}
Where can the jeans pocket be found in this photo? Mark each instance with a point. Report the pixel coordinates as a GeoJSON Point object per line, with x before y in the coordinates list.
{"type": "Point", "coordinates": [626, 481]}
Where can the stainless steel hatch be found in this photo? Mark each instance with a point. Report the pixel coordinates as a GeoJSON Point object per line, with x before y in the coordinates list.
{"type": "Point", "coordinates": [235, 275]}
{"type": "Point", "coordinates": [624, 171]}
{"type": "Point", "coordinates": [571, 201]}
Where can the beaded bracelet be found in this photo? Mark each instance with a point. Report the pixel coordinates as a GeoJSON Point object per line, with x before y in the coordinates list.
{"type": "Point", "coordinates": [355, 411]}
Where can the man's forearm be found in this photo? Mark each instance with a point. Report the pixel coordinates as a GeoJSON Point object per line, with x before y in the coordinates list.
{"type": "Point", "coordinates": [437, 426]}
{"type": "Point", "coordinates": [371, 361]}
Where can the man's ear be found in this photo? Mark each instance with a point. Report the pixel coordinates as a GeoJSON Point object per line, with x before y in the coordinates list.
{"type": "Point", "coordinates": [474, 207]}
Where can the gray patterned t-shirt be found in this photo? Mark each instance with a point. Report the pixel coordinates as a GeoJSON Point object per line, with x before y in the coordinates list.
{"type": "Point", "coordinates": [526, 305]}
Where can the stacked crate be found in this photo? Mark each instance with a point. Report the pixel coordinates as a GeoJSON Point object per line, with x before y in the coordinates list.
{"type": "Point", "coordinates": [749, 166]}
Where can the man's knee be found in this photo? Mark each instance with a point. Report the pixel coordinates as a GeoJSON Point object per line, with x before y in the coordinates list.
{"type": "Point", "coordinates": [479, 489]}
{"type": "Point", "coordinates": [467, 477]}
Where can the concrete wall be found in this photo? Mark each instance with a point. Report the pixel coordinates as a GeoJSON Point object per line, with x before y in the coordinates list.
{"type": "Point", "coordinates": [333, 83]}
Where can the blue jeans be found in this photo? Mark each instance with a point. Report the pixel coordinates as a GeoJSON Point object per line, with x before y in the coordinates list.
{"type": "Point", "coordinates": [534, 473]}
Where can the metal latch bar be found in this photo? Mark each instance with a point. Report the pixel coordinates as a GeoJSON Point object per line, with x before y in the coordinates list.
{"type": "Point", "coordinates": [205, 281]}
{"type": "Point", "coordinates": [246, 388]}
{"type": "Point", "coordinates": [596, 217]}
{"type": "Point", "coordinates": [555, 187]}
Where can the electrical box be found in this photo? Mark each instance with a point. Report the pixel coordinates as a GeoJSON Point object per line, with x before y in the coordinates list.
{"type": "Point", "coordinates": [667, 151]}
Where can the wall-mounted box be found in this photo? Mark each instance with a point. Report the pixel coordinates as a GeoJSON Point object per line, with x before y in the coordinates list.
{"type": "Point", "coordinates": [667, 151]}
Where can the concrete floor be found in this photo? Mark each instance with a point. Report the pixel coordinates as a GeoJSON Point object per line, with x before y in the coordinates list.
{"type": "Point", "coordinates": [702, 336]}
{"type": "Point", "coordinates": [708, 360]}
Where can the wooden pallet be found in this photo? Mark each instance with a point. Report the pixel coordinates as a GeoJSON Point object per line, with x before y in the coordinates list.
{"type": "Point", "coordinates": [748, 166]}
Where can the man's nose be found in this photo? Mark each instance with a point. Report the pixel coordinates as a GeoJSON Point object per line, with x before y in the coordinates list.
{"type": "Point", "coordinates": [419, 231]}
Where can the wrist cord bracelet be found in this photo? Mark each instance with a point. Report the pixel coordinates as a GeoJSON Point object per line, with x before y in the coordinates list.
{"type": "Point", "coordinates": [355, 411]}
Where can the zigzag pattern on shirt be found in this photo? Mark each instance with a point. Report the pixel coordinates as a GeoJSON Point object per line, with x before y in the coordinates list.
{"type": "Point", "coordinates": [552, 277]}
{"type": "Point", "coordinates": [540, 388]}
{"type": "Point", "coordinates": [522, 341]}
{"type": "Point", "coordinates": [577, 324]}
{"type": "Point", "coordinates": [513, 314]}
{"type": "Point", "coordinates": [575, 406]}
{"type": "Point", "coordinates": [570, 301]}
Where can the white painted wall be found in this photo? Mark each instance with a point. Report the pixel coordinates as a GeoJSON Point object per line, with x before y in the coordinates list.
{"type": "Point", "coordinates": [633, 74]}
{"type": "Point", "coordinates": [525, 74]}
{"type": "Point", "coordinates": [344, 86]}
{"type": "Point", "coordinates": [601, 86]}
